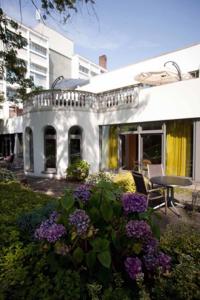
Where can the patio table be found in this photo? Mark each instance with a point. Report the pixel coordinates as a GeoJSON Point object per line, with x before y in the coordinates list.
{"type": "Point", "coordinates": [170, 182]}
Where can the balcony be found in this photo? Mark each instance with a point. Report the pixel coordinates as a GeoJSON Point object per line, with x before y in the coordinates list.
{"type": "Point", "coordinates": [82, 101]}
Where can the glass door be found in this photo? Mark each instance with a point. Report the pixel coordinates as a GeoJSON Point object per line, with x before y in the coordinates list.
{"type": "Point", "coordinates": [151, 149]}
{"type": "Point", "coordinates": [128, 151]}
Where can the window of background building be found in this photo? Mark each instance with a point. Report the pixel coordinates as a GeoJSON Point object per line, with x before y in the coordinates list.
{"type": "Point", "coordinates": [38, 48]}
{"type": "Point", "coordinates": [83, 69]}
{"type": "Point", "coordinates": [38, 68]}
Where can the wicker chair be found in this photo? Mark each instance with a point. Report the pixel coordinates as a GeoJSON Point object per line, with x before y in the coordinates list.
{"type": "Point", "coordinates": [156, 197]}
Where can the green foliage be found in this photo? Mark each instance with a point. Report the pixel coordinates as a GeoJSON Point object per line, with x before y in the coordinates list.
{"type": "Point", "coordinates": [88, 266]}
{"type": "Point", "coordinates": [11, 65]}
{"type": "Point", "coordinates": [63, 7]}
{"type": "Point", "coordinates": [78, 170]}
{"type": "Point", "coordinates": [183, 282]}
{"type": "Point", "coordinates": [7, 175]}
{"type": "Point", "coordinates": [14, 201]}
{"type": "Point", "coordinates": [97, 177]}
{"type": "Point", "coordinates": [182, 239]}
{"type": "Point", "coordinates": [125, 181]}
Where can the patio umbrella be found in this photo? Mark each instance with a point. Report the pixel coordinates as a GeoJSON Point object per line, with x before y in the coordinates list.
{"type": "Point", "coordinates": [160, 77]}
{"type": "Point", "coordinates": [157, 78]}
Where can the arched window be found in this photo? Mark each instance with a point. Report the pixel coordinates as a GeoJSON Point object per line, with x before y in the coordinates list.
{"type": "Point", "coordinates": [29, 161]}
{"type": "Point", "coordinates": [75, 143]}
{"type": "Point", "coordinates": [50, 148]}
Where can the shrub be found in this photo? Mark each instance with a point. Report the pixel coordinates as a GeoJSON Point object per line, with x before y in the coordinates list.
{"type": "Point", "coordinates": [183, 283]}
{"type": "Point", "coordinates": [125, 181]}
{"type": "Point", "coordinates": [15, 200]}
{"type": "Point", "coordinates": [101, 176]}
{"type": "Point", "coordinates": [99, 236]}
{"type": "Point", "coordinates": [78, 170]}
{"type": "Point", "coordinates": [7, 175]}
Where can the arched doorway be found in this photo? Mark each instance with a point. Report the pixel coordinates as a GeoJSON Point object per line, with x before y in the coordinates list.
{"type": "Point", "coordinates": [75, 143]}
{"type": "Point", "coordinates": [50, 148]}
{"type": "Point", "coordinates": [29, 160]}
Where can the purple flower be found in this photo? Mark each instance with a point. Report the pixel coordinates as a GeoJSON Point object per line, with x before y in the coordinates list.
{"type": "Point", "coordinates": [133, 266]}
{"type": "Point", "coordinates": [54, 216]}
{"type": "Point", "coordinates": [153, 261]}
{"type": "Point", "coordinates": [138, 229]}
{"type": "Point", "coordinates": [150, 245]}
{"type": "Point", "coordinates": [164, 261]}
{"type": "Point", "coordinates": [49, 230]}
{"type": "Point", "coordinates": [133, 202]}
{"type": "Point", "coordinates": [83, 193]}
{"type": "Point", "coordinates": [80, 220]}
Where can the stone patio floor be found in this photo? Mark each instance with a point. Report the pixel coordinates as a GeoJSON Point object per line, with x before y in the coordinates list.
{"type": "Point", "coordinates": [56, 188]}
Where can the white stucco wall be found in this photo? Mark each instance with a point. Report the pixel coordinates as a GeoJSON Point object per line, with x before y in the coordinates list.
{"type": "Point", "coordinates": [62, 121]}
{"type": "Point", "coordinates": [179, 100]}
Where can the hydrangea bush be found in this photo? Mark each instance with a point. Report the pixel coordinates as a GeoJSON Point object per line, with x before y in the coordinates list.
{"type": "Point", "coordinates": [100, 235]}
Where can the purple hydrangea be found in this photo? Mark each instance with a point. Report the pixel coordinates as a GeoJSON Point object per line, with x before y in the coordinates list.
{"type": "Point", "coordinates": [133, 202]}
{"type": "Point", "coordinates": [164, 261]}
{"type": "Point", "coordinates": [138, 229]}
{"type": "Point", "coordinates": [83, 193]}
{"type": "Point", "coordinates": [151, 262]}
{"type": "Point", "coordinates": [49, 230]}
{"type": "Point", "coordinates": [80, 220]}
{"type": "Point", "coordinates": [133, 266]}
{"type": "Point", "coordinates": [150, 245]}
{"type": "Point", "coordinates": [154, 261]}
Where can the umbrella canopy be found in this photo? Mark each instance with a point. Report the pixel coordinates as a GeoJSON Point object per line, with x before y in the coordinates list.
{"type": "Point", "coordinates": [160, 77]}
{"type": "Point", "coordinates": [70, 83]}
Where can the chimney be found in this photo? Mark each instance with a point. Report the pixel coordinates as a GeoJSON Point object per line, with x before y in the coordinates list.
{"type": "Point", "coordinates": [103, 61]}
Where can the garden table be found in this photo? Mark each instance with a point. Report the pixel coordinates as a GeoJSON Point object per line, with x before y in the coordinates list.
{"type": "Point", "coordinates": [169, 182]}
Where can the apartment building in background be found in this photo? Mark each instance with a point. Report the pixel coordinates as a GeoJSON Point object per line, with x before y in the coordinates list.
{"type": "Point", "coordinates": [48, 55]}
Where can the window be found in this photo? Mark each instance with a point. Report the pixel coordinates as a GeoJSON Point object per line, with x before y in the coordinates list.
{"type": "Point", "coordinates": [195, 74]}
{"type": "Point", "coordinates": [50, 148]}
{"type": "Point", "coordinates": [83, 69]}
{"type": "Point", "coordinates": [38, 68]}
{"type": "Point", "coordinates": [29, 160]}
{"type": "Point", "coordinates": [75, 144]}
{"type": "Point", "coordinates": [93, 73]}
{"type": "Point", "coordinates": [37, 48]}
{"type": "Point", "coordinates": [38, 79]}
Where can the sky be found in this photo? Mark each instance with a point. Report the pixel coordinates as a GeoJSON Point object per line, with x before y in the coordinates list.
{"type": "Point", "coordinates": [127, 31]}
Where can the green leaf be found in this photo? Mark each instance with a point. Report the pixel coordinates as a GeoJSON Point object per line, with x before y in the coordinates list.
{"type": "Point", "coordinates": [105, 258]}
{"type": "Point", "coordinates": [107, 211]}
{"type": "Point", "coordinates": [90, 259]}
{"type": "Point", "coordinates": [100, 245]}
{"type": "Point", "coordinates": [78, 255]}
{"type": "Point", "coordinates": [67, 201]}
{"type": "Point", "coordinates": [137, 248]}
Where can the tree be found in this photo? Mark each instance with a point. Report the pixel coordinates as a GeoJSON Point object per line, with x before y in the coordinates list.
{"type": "Point", "coordinates": [12, 68]}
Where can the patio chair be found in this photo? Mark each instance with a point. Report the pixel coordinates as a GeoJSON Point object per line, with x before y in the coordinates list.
{"type": "Point", "coordinates": [155, 170]}
{"type": "Point", "coordinates": [156, 197]}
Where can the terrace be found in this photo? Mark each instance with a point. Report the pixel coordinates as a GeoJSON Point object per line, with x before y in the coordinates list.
{"type": "Point", "coordinates": [84, 101]}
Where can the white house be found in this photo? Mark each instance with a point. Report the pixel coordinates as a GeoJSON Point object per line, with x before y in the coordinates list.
{"type": "Point", "coordinates": [119, 120]}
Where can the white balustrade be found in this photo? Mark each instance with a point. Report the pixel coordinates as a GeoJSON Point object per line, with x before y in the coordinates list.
{"type": "Point", "coordinates": [78, 100]}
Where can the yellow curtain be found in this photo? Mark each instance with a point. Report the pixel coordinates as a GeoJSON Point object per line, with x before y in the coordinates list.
{"type": "Point", "coordinates": [179, 137]}
{"type": "Point", "coordinates": [113, 148]}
